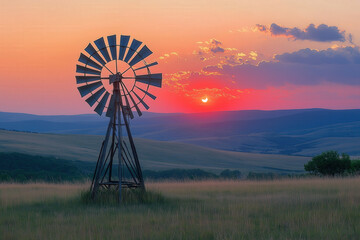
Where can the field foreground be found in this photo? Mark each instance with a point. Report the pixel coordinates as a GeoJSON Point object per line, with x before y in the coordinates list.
{"type": "Point", "coordinates": [284, 209]}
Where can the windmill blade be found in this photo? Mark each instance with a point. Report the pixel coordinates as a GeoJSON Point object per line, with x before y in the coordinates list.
{"type": "Point", "coordinates": [81, 69]}
{"type": "Point", "coordinates": [151, 79]}
{"type": "Point", "coordinates": [147, 93]}
{"type": "Point", "coordinates": [93, 98]}
{"type": "Point", "coordinates": [86, 79]}
{"type": "Point", "coordinates": [128, 105]}
{"type": "Point", "coordinates": [135, 105]}
{"type": "Point", "coordinates": [124, 40]}
{"type": "Point", "coordinates": [142, 54]}
{"type": "Point", "coordinates": [132, 100]}
{"type": "Point", "coordinates": [86, 89]}
{"type": "Point", "coordinates": [111, 107]}
{"type": "Point", "coordinates": [141, 100]}
{"type": "Point", "coordinates": [87, 61]}
{"type": "Point", "coordinates": [100, 107]}
{"type": "Point", "coordinates": [133, 47]}
{"type": "Point", "coordinates": [93, 53]}
{"type": "Point", "coordinates": [100, 43]}
{"type": "Point", "coordinates": [147, 66]}
{"type": "Point", "coordinates": [112, 44]}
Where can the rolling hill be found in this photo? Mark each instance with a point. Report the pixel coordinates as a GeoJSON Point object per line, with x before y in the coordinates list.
{"type": "Point", "coordinates": [154, 155]}
{"type": "Point", "coordinates": [303, 132]}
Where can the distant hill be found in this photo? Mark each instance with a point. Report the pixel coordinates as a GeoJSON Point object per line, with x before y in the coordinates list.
{"type": "Point", "coordinates": [154, 155]}
{"type": "Point", "coordinates": [292, 132]}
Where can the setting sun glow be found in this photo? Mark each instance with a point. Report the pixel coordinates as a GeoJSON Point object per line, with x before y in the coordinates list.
{"type": "Point", "coordinates": [204, 100]}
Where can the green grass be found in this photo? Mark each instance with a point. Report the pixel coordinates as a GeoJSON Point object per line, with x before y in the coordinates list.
{"type": "Point", "coordinates": [154, 155]}
{"type": "Point", "coordinates": [282, 209]}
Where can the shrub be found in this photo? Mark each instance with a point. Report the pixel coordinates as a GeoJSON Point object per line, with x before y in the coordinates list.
{"type": "Point", "coordinates": [329, 163]}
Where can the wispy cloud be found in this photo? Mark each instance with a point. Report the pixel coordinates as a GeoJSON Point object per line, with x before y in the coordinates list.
{"type": "Point", "coordinates": [167, 55]}
{"type": "Point", "coordinates": [304, 67]}
{"type": "Point", "coordinates": [338, 55]}
{"type": "Point", "coordinates": [320, 33]}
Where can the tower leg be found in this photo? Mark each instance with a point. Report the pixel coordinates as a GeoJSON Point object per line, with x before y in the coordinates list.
{"type": "Point", "coordinates": [128, 166]}
{"type": "Point", "coordinates": [120, 148]}
{"type": "Point", "coordinates": [99, 165]}
{"type": "Point", "coordinates": [133, 149]}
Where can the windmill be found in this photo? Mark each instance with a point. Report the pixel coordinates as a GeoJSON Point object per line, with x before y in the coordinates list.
{"type": "Point", "coordinates": [115, 79]}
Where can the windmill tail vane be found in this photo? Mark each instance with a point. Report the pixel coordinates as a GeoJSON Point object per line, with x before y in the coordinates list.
{"type": "Point", "coordinates": [115, 79]}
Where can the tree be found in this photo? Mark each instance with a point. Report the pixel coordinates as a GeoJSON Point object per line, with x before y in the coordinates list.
{"type": "Point", "coordinates": [355, 166]}
{"type": "Point", "coordinates": [329, 163]}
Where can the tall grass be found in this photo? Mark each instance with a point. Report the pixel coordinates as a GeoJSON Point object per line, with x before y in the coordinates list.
{"type": "Point", "coordinates": [16, 194]}
{"type": "Point", "coordinates": [283, 209]}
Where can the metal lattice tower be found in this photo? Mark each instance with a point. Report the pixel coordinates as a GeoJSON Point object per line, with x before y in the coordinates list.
{"type": "Point", "coordinates": [117, 83]}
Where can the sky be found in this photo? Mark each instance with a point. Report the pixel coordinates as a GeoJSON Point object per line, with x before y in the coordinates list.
{"type": "Point", "coordinates": [241, 55]}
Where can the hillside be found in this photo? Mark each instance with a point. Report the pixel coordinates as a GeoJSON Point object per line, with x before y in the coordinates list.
{"type": "Point", "coordinates": [154, 155]}
{"type": "Point", "coordinates": [291, 132]}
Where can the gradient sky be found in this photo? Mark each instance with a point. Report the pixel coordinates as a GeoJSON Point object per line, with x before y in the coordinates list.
{"type": "Point", "coordinates": [239, 54]}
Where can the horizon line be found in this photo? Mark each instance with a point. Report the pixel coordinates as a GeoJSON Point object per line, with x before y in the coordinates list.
{"type": "Point", "coordinates": [204, 112]}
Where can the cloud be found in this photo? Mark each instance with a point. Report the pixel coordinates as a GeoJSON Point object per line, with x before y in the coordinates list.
{"type": "Point", "coordinates": [233, 59]}
{"type": "Point", "coordinates": [304, 67]}
{"type": "Point", "coordinates": [215, 46]}
{"type": "Point", "coordinates": [211, 46]}
{"type": "Point", "coordinates": [167, 55]}
{"type": "Point", "coordinates": [217, 49]}
{"type": "Point", "coordinates": [253, 55]}
{"type": "Point", "coordinates": [214, 93]}
{"type": "Point", "coordinates": [192, 84]}
{"type": "Point", "coordinates": [320, 33]}
{"type": "Point", "coordinates": [345, 55]}
{"type": "Point", "coordinates": [261, 28]}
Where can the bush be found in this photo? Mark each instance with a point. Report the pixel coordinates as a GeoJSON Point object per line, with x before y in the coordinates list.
{"type": "Point", "coordinates": [329, 163]}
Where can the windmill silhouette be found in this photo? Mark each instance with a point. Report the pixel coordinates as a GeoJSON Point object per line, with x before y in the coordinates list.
{"type": "Point", "coordinates": [115, 78]}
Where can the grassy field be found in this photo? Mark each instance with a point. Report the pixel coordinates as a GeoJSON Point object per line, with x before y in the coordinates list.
{"type": "Point", "coordinates": [154, 155]}
{"type": "Point", "coordinates": [284, 209]}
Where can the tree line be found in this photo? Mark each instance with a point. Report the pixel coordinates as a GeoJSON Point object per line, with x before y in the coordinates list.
{"type": "Point", "coordinates": [18, 167]}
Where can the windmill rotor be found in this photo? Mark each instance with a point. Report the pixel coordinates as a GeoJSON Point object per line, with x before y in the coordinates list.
{"type": "Point", "coordinates": [99, 67]}
{"type": "Point", "coordinates": [114, 78]}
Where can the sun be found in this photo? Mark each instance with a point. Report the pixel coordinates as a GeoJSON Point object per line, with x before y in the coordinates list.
{"type": "Point", "coordinates": [204, 100]}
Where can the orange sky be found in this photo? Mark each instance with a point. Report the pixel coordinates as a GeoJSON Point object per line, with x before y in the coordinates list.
{"type": "Point", "coordinates": [41, 41]}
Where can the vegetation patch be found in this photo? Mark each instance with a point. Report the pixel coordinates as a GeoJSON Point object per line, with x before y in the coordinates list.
{"type": "Point", "coordinates": [20, 167]}
{"type": "Point", "coordinates": [312, 208]}
{"type": "Point", "coordinates": [331, 163]}
{"type": "Point", "coordinates": [128, 197]}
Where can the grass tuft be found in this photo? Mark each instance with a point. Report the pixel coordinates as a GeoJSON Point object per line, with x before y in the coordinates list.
{"type": "Point", "coordinates": [128, 197]}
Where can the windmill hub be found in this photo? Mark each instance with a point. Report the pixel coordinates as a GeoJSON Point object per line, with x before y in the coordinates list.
{"type": "Point", "coordinates": [115, 78]}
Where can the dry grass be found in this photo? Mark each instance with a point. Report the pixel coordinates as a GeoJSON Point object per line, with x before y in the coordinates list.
{"type": "Point", "coordinates": [15, 194]}
{"type": "Point", "coordinates": [284, 209]}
